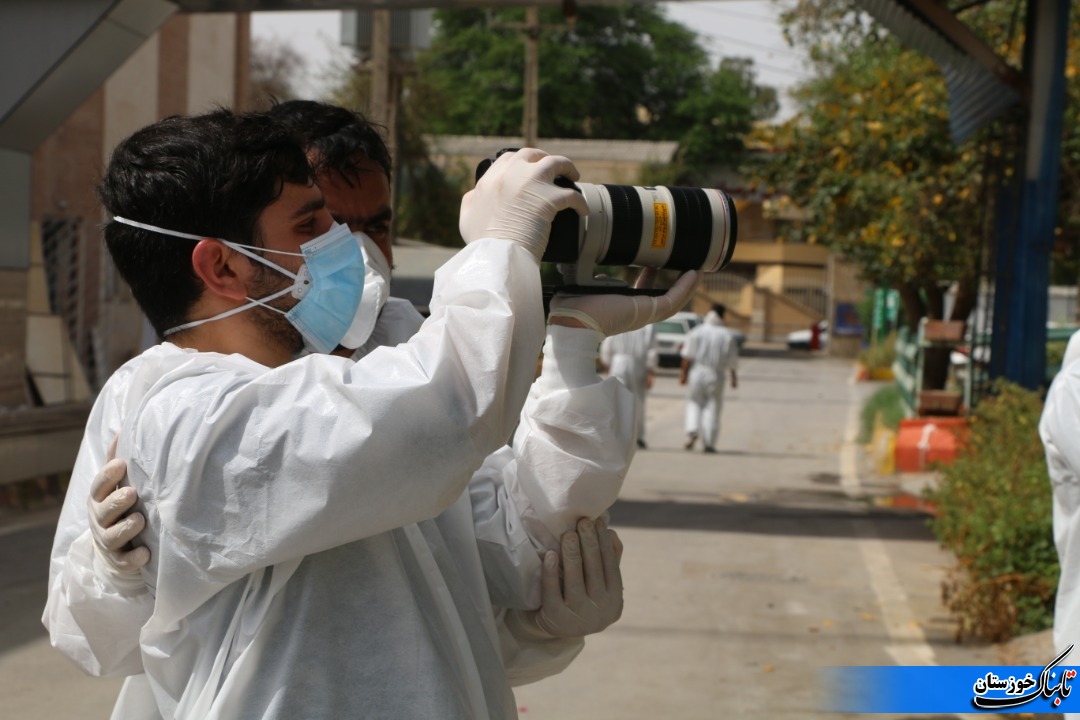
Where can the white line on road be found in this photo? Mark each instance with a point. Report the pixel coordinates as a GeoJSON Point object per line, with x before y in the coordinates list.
{"type": "Point", "coordinates": [909, 646]}
{"type": "Point", "coordinates": [849, 470]}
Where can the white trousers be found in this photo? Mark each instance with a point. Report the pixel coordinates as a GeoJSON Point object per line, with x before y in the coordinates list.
{"type": "Point", "coordinates": [704, 402]}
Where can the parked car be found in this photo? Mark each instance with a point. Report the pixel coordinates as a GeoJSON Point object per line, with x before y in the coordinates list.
{"type": "Point", "coordinates": [671, 335]}
{"type": "Point", "coordinates": [800, 339]}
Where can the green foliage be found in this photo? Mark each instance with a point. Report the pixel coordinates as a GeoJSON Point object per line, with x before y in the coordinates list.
{"type": "Point", "coordinates": [870, 154]}
{"type": "Point", "coordinates": [1055, 351]}
{"type": "Point", "coordinates": [995, 514]}
{"type": "Point", "coordinates": [886, 406]}
{"type": "Point", "coordinates": [428, 198]}
{"type": "Point", "coordinates": [880, 356]}
{"type": "Point", "coordinates": [624, 72]}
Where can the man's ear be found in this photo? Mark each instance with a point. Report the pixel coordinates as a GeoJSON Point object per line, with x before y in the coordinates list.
{"type": "Point", "coordinates": [223, 271]}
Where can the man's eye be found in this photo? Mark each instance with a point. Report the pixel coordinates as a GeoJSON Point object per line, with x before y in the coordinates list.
{"type": "Point", "coordinates": [380, 229]}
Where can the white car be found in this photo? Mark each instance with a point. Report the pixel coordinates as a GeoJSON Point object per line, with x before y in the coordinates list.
{"type": "Point", "coordinates": [800, 339]}
{"type": "Point", "coordinates": [670, 336]}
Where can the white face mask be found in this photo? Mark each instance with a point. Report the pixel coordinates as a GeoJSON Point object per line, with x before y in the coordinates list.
{"type": "Point", "coordinates": [376, 291]}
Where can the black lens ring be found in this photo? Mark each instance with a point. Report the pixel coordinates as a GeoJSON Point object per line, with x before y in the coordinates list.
{"type": "Point", "coordinates": [733, 228]}
{"type": "Point", "coordinates": [693, 228]}
{"type": "Point", "coordinates": [626, 222]}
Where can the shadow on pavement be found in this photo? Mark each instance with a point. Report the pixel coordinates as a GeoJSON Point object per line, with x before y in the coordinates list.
{"type": "Point", "coordinates": [770, 519]}
{"type": "Point", "coordinates": [740, 453]}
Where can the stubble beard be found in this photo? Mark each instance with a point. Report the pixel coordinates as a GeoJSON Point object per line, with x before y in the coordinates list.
{"type": "Point", "coordinates": [275, 329]}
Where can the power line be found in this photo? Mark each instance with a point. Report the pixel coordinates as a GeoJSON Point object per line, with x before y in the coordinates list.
{"type": "Point", "coordinates": [731, 13]}
{"type": "Point", "coordinates": [756, 46]}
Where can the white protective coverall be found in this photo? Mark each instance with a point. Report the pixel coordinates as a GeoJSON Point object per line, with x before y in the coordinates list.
{"type": "Point", "coordinates": [1059, 429]}
{"type": "Point", "coordinates": [712, 350]}
{"type": "Point", "coordinates": [629, 357]}
{"type": "Point", "coordinates": [313, 549]}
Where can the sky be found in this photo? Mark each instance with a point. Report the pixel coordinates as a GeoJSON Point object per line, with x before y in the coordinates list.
{"type": "Point", "coordinates": [729, 28]}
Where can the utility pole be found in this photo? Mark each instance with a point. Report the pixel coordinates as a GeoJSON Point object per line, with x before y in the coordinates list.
{"type": "Point", "coordinates": [532, 28]}
{"type": "Point", "coordinates": [383, 102]}
{"type": "Point", "coordinates": [532, 76]}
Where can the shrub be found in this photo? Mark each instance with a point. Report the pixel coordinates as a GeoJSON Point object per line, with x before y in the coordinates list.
{"type": "Point", "coordinates": [995, 514]}
{"type": "Point", "coordinates": [885, 406]}
{"type": "Point", "coordinates": [880, 356]}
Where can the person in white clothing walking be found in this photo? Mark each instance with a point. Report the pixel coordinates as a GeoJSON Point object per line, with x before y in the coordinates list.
{"type": "Point", "coordinates": [631, 358]}
{"type": "Point", "coordinates": [710, 350]}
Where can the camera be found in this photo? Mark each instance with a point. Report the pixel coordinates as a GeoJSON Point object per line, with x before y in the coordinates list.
{"type": "Point", "coordinates": [674, 228]}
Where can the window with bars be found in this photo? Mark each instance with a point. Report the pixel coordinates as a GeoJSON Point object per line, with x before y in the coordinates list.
{"type": "Point", "coordinates": [61, 243]}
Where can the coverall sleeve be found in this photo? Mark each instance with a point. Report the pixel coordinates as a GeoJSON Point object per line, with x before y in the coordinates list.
{"type": "Point", "coordinates": [568, 459]}
{"type": "Point", "coordinates": [93, 622]}
{"type": "Point", "coordinates": [89, 620]}
{"type": "Point", "coordinates": [240, 470]}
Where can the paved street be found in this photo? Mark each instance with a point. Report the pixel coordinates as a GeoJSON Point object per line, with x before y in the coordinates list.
{"type": "Point", "coordinates": [746, 571]}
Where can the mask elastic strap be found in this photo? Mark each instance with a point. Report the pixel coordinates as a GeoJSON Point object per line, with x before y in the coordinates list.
{"type": "Point", "coordinates": [252, 302]}
{"type": "Point", "coordinates": [235, 246]}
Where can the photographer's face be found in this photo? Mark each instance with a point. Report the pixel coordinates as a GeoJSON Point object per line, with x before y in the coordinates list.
{"type": "Point", "coordinates": [361, 201]}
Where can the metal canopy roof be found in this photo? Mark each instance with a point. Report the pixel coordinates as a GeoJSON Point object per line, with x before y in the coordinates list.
{"type": "Point", "coordinates": [275, 5]}
{"type": "Point", "coordinates": [981, 85]}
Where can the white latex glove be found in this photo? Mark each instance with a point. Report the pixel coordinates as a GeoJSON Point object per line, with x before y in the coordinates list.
{"type": "Point", "coordinates": [591, 594]}
{"type": "Point", "coordinates": [611, 314]}
{"type": "Point", "coordinates": [517, 199]}
{"type": "Point", "coordinates": [109, 529]}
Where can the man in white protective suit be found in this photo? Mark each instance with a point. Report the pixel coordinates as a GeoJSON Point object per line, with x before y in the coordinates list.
{"type": "Point", "coordinates": [631, 359]}
{"type": "Point", "coordinates": [1059, 429]}
{"type": "Point", "coordinates": [709, 353]}
{"type": "Point", "coordinates": [313, 549]}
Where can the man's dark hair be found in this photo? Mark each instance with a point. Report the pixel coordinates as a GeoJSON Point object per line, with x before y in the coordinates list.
{"type": "Point", "coordinates": [339, 136]}
{"type": "Point", "coordinates": [719, 309]}
{"type": "Point", "coordinates": [210, 175]}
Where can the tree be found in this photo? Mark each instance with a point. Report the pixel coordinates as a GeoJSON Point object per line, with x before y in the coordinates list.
{"type": "Point", "coordinates": [620, 73]}
{"type": "Point", "coordinates": [871, 158]}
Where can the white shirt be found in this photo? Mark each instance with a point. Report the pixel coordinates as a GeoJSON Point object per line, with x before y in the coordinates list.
{"type": "Point", "coordinates": [712, 348]}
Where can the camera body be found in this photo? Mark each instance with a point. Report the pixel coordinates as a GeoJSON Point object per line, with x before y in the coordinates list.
{"type": "Point", "coordinates": [675, 228]}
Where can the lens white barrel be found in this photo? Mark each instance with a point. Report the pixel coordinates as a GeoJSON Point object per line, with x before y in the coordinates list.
{"type": "Point", "coordinates": [721, 231]}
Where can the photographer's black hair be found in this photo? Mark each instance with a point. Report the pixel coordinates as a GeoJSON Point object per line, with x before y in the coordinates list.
{"type": "Point", "coordinates": [339, 136]}
{"type": "Point", "coordinates": [209, 175]}
{"type": "Point", "coordinates": [719, 309]}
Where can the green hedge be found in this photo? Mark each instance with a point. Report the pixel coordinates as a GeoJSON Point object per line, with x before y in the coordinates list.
{"type": "Point", "coordinates": [995, 514]}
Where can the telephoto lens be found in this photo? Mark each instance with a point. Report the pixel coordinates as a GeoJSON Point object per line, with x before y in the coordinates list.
{"type": "Point", "coordinates": [672, 228]}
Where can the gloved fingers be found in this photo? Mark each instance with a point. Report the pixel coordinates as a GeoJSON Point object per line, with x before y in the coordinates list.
{"type": "Point", "coordinates": [130, 561]}
{"type": "Point", "coordinates": [106, 479]}
{"type": "Point", "coordinates": [645, 278]}
{"type": "Point", "coordinates": [117, 502]}
{"type": "Point", "coordinates": [551, 596]}
{"type": "Point", "coordinates": [554, 165]}
{"type": "Point", "coordinates": [571, 199]}
{"type": "Point", "coordinates": [677, 296]}
{"type": "Point", "coordinates": [591, 558]}
{"type": "Point", "coordinates": [119, 534]}
{"type": "Point", "coordinates": [611, 548]}
{"type": "Point", "coordinates": [572, 574]}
